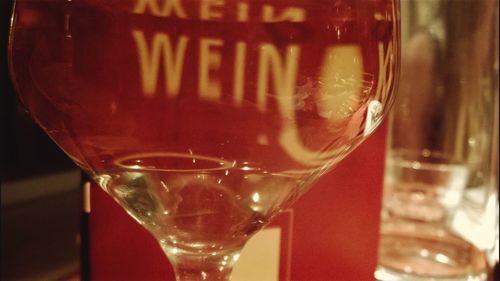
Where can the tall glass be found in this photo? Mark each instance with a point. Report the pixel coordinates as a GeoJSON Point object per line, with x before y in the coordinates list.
{"type": "Point", "coordinates": [442, 144]}
{"type": "Point", "coordinates": [204, 118]}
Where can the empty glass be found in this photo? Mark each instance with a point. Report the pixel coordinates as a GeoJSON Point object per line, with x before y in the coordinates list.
{"type": "Point", "coordinates": [441, 142]}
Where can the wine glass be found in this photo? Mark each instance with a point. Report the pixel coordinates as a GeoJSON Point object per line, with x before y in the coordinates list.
{"type": "Point", "coordinates": [203, 119]}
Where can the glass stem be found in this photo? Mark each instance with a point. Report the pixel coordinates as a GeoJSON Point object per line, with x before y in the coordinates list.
{"type": "Point", "coordinates": [208, 267]}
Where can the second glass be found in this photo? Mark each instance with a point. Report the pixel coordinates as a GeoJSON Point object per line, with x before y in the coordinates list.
{"type": "Point", "coordinates": [441, 140]}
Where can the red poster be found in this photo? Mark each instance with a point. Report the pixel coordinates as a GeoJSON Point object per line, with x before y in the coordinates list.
{"type": "Point", "coordinates": [331, 233]}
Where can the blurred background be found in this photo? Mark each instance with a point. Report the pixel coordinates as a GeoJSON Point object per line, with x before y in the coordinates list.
{"type": "Point", "coordinates": [40, 192]}
{"type": "Point", "coordinates": [41, 202]}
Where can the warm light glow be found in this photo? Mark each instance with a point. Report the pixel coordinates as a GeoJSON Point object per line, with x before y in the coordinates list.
{"type": "Point", "coordinates": [256, 197]}
{"type": "Point", "coordinates": [424, 253]}
{"type": "Point", "coordinates": [442, 259]}
{"type": "Point", "coordinates": [415, 165]}
{"type": "Point", "coordinates": [236, 257]}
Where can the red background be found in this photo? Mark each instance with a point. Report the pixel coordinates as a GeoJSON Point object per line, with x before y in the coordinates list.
{"type": "Point", "coordinates": [334, 230]}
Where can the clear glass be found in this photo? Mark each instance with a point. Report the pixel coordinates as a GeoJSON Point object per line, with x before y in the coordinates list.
{"type": "Point", "coordinates": [204, 119]}
{"type": "Point", "coordinates": [442, 146]}
{"type": "Point", "coordinates": [423, 186]}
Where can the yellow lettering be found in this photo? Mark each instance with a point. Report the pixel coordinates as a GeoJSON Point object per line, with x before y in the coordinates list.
{"type": "Point", "coordinates": [154, 8]}
{"type": "Point", "coordinates": [341, 82]}
{"type": "Point", "coordinates": [284, 75]}
{"type": "Point", "coordinates": [292, 14]}
{"type": "Point", "coordinates": [239, 72]}
{"type": "Point", "coordinates": [208, 11]}
{"type": "Point", "coordinates": [242, 11]}
{"type": "Point", "coordinates": [149, 60]}
{"type": "Point", "coordinates": [209, 60]}
{"type": "Point", "coordinates": [341, 75]}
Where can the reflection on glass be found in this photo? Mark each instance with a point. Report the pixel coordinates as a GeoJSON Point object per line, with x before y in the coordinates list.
{"type": "Point", "coordinates": [204, 119]}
